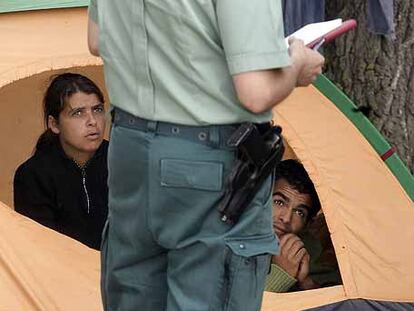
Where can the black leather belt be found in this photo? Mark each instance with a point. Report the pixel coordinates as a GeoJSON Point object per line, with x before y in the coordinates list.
{"type": "Point", "coordinates": [212, 135]}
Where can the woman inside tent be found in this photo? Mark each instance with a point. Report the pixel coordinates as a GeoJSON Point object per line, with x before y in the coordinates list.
{"type": "Point", "coordinates": [63, 185]}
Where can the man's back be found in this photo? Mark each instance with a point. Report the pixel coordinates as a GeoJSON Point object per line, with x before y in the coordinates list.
{"type": "Point", "coordinates": [178, 56]}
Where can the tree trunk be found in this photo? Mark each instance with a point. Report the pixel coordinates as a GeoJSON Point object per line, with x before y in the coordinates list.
{"type": "Point", "coordinates": [377, 71]}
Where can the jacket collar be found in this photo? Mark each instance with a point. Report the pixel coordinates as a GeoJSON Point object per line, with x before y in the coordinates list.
{"type": "Point", "coordinates": [99, 153]}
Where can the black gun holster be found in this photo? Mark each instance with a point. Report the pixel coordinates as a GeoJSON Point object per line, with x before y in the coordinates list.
{"type": "Point", "coordinates": [259, 150]}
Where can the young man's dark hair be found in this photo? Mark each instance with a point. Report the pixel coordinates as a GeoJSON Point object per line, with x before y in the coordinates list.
{"type": "Point", "coordinates": [295, 174]}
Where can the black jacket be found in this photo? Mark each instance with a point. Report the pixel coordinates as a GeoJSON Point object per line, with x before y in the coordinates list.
{"type": "Point", "coordinates": [51, 189]}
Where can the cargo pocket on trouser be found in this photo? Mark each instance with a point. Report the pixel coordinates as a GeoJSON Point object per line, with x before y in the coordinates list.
{"type": "Point", "coordinates": [104, 254]}
{"type": "Point", "coordinates": [246, 266]}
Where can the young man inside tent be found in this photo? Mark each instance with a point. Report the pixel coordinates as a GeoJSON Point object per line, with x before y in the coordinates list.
{"type": "Point", "coordinates": [301, 264]}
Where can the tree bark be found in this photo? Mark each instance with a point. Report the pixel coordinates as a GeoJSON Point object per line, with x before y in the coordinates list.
{"type": "Point", "coordinates": [377, 71]}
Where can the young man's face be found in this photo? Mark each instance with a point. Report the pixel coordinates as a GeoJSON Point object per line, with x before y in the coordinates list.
{"type": "Point", "coordinates": [290, 208]}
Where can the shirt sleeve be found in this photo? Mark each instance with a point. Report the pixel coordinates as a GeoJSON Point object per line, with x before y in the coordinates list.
{"type": "Point", "coordinates": [93, 10]}
{"type": "Point", "coordinates": [278, 280]}
{"type": "Point", "coordinates": [32, 199]}
{"type": "Point", "coordinates": [252, 34]}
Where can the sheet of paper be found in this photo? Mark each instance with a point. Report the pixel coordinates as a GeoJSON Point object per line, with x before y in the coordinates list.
{"type": "Point", "coordinates": [310, 32]}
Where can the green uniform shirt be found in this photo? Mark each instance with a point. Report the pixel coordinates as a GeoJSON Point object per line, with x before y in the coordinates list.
{"type": "Point", "coordinates": [172, 60]}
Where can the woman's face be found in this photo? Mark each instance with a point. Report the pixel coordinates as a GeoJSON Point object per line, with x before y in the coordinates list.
{"type": "Point", "coordinates": [81, 126]}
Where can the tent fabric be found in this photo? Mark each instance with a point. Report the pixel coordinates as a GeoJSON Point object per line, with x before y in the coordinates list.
{"type": "Point", "coordinates": [43, 270]}
{"type": "Point", "coordinates": [367, 129]}
{"type": "Point", "coordinates": [7, 6]}
{"type": "Point", "coordinates": [367, 211]}
{"type": "Point", "coordinates": [29, 45]}
{"type": "Point", "coordinates": [302, 300]}
{"type": "Point", "coordinates": [366, 305]}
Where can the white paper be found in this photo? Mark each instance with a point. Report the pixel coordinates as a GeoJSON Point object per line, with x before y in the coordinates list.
{"type": "Point", "coordinates": [311, 32]}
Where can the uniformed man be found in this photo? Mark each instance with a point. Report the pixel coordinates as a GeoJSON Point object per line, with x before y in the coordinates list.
{"type": "Point", "coordinates": [182, 75]}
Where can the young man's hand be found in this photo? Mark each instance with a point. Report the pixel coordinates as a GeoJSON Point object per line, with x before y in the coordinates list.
{"type": "Point", "coordinates": [303, 271]}
{"type": "Point", "coordinates": [304, 279]}
{"type": "Point", "coordinates": [292, 253]}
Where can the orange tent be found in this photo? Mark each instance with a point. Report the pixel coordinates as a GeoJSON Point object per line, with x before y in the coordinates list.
{"type": "Point", "coordinates": [367, 209]}
{"type": "Point", "coordinates": [367, 202]}
{"type": "Point", "coordinates": [43, 270]}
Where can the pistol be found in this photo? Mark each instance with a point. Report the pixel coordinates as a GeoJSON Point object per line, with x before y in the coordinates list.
{"type": "Point", "coordinates": [259, 152]}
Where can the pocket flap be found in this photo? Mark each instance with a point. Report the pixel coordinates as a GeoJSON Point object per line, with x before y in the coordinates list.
{"type": "Point", "coordinates": [254, 245]}
{"type": "Point", "coordinates": [191, 174]}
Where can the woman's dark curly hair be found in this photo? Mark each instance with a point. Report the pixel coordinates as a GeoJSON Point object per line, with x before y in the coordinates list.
{"type": "Point", "coordinates": [295, 174]}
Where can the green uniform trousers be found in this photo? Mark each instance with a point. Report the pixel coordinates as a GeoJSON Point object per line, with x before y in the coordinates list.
{"type": "Point", "coordinates": [164, 246]}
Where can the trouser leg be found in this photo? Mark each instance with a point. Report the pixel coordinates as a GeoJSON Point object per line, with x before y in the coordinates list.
{"type": "Point", "coordinates": [211, 265]}
{"type": "Point", "coordinates": [133, 264]}
{"type": "Point", "coordinates": [166, 246]}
